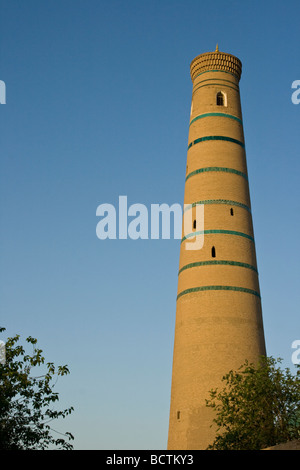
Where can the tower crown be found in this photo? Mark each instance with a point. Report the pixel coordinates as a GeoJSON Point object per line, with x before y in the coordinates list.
{"type": "Point", "coordinates": [216, 60]}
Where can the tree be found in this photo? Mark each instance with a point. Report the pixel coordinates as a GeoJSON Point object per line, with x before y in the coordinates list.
{"type": "Point", "coordinates": [258, 407]}
{"type": "Point", "coordinates": [26, 400]}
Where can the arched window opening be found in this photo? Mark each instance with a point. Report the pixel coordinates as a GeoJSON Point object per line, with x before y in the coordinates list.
{"type": "Point", "coordinates": [194, 224]}
{"type": "Point", "coordinates": [213, 252]}
{"type": "Point", "coordinates": [231, 211]}
{"type": "Point", "coordinates": [221, 99]}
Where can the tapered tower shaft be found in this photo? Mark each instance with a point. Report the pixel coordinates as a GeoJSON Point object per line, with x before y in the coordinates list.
{"type": "Point", "coordinates": [218, 316]}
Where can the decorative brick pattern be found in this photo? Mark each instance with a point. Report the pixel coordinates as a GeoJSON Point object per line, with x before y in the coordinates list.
{"type": "Point", "coordinates": [212, 61]}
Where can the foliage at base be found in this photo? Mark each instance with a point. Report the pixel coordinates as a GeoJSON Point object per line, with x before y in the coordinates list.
{"type": "Point", "coordinates": [258, 407]}
{"type": "Point", "coordinates": [26, 400]}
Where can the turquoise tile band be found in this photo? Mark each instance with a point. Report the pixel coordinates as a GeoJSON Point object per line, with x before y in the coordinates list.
{"type": "Point", "coordinates": [230, 116]}
{"type": "Point", "coordinates": [222, 80]}
{"type": "Point", "coordinates": [217, 262]}
{"type": "Point", "coordinates": [215, 137]}
{"type": "Point", "coordinates": [213, 70]}
{"type": "Point", "coordinates": [208, 232]}
{"type": "Point", "coordinates": [229, 288]}
{"type": "Point", "coordinates": [218, 201]}
{"type": "Point", "coordinates": [220, 85]}
{"type": "Point", "coordinates": [216, 168]}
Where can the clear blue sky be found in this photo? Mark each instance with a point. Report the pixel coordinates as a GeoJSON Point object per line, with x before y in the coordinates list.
{"type": "Point", "coordinates": [98, 103]}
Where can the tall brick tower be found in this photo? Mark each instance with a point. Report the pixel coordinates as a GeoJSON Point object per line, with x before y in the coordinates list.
{"type": "Point", "coordinates": [218, 316]}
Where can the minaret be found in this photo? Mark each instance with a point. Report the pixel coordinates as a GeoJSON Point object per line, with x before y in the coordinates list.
{"type": "Point", "coordinates": [218, 316]}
